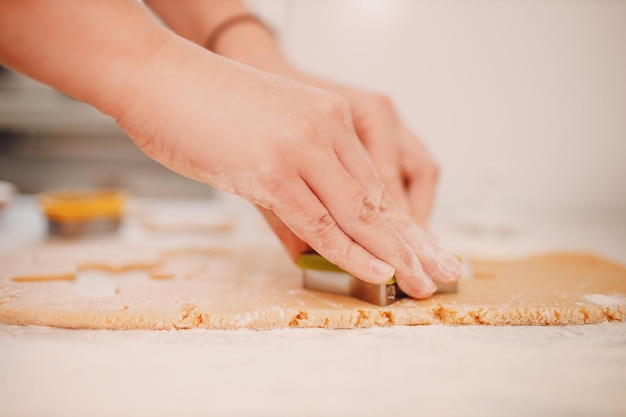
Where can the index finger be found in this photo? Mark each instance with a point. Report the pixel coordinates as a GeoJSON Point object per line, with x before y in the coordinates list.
{"type": "Point", "coordinates": [421, 176]}
{"type": "Point", "coordinates": [311, 221]}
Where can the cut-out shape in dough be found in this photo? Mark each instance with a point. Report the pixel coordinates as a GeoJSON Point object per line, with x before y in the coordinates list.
{"type": "Point", "coordinates": [100, 284]}
{"type": "Point", "coordinates": [24, 268]}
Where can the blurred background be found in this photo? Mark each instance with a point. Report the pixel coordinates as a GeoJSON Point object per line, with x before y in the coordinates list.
{"type": "Point", "coordinates": [523, 103]}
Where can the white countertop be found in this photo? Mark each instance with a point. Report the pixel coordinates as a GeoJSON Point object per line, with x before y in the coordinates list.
{"type": "Point", "coordinates": [397, 371]}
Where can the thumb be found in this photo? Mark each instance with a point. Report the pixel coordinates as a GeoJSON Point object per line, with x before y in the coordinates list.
{"type": "Point", "coordinates": [292, 243]}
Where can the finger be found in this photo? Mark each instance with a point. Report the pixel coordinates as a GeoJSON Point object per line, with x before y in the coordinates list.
{"type": "Point", "coordinates": [357, 213]}
{"type": "Point", "coordinates": [440, 265]}
{"type": "Point", "coordinates": [388, 167]}
{"type": "Point", "coordinates": [301, 210]}
{"type": "Point", "coordinates": [421, 176]}
{"type": "Point", "coordinates": [380, 139]}
{"type": "Point", "coordinates": [292, 243]}
{"type": "Point", "coordinates": [436, 263]}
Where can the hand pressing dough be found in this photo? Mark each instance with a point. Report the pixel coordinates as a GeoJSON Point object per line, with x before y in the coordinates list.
{"type": "Point", "coordinates": [260, 288]}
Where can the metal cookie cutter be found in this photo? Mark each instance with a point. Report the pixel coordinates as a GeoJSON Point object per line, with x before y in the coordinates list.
{"type": "Point", "coordinates": [321, 275]}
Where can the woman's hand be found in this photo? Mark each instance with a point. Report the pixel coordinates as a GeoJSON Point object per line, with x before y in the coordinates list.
{"type": "Point", "coordinates": [382, 214]}
{"type": "Point", "coordinates": [401, 159]}
{"type": "Point", "coordinates": [287, 147]}
{"type": "Point", "coordinates": [404, 166]}
{"type": "Point", "coordinates": [402, 162]}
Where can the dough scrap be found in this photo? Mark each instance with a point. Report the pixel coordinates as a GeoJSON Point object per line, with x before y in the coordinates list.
{"type": "Point", "coordinates": [259, 288]}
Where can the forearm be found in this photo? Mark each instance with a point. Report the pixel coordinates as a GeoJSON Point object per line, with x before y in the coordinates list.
{"type": "Point", "coordinates": [246, 42]}
{"type": "Point", "coordinates": [91, 50]}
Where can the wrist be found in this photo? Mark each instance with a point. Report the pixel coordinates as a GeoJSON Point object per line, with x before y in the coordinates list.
{"type": "Point", "coordinates": [250, 42]}
{"type": "Point", "coordinates": [123, 83]}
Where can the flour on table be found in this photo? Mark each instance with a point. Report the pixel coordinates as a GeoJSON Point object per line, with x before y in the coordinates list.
{"type": "Point", "coordinates": [606, 300]}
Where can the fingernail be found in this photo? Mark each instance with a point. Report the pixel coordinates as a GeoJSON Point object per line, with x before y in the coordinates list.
{"type": "Point", "coordinates": [450, 264]}
{"type": "Point", "coordinates": [382, 269]}
{"type": "Point", "coordinates": [429, 285]}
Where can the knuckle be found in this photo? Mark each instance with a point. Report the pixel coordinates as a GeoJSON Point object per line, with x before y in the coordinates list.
{"type": "Point", "coordinates": [303, 127]}
{"type": "Point", "coordinates": [324, 227]}
{"type": "Point", "coordinates": [383, 102]}
{"type": "Point", "coordinates": [368, 212]}
{"type": "Point", "coordinates": [386, 202]}
{"type": "Point", "coordinates": [349, 251]}
{"type": "Point", "coordinates": [334, 106]}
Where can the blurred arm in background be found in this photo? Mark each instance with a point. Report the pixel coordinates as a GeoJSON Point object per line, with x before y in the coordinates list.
{"type": "Point", "coordinates": [402, 161]}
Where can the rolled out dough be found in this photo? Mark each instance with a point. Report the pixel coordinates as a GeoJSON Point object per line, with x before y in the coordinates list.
{"type": "Point", "coordinates": [259, 288]}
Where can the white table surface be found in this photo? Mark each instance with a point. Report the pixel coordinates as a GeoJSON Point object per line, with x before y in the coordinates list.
{"type": "Point", "coordinates": [396, 371]}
